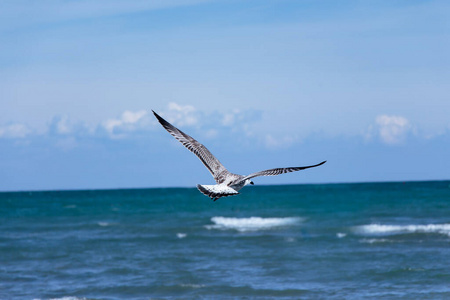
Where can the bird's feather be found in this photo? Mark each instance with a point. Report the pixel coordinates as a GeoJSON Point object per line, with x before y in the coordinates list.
{"type": "Point", "coordinates": [210, 161]}
{"type": "Point", "coordinates": [278, 171]}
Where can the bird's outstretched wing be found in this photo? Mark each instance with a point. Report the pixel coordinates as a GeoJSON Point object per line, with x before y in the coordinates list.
{"type": "Point", "coordinates": [278, 171]}
{"type": "Point", "coordinates": [212, 163]}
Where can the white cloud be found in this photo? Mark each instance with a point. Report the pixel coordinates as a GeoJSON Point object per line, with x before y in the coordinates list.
{"type": "Point", "coordinates": [182, 115]}
{"type": "Point", "coordinates": [272, 142]}
{"type": "Point", "coordinates": [392, 129]}
{"type": "Point", "coordinates": [64, 126]}
{"type": "Point", "coordinates": [129, 121]}
{"type": "Point", "coordinates": [61, 125]}
{"type": "Point", "coordinates": [244, 123]}
{"type": "Point", "coordinates": [219, 124]}
{"type": "Point", "coordinates": [230, 118]}
{"type": "Point", "coordinates": [15, 130]}
{"type": "Point", "coordinates": [240, 118]}
{"type": "Point", "coordinates": [240, 125]}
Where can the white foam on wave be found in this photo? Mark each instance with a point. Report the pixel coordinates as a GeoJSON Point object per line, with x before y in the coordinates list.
{"type": "Point", "coordinates": [181, 235]}
{"type": "Point", "coordinates": [380, 229]}
{"type": "Point", "coordinates": [68, 298]}
{"type": "Point", "coordinates": [374, 241]}
{"type": "Point", "coordinates": [252, 223]}
{"type": "Point", "coordinates": [194, 286]}
{"type": "Point", "coordinates": [105, 224]}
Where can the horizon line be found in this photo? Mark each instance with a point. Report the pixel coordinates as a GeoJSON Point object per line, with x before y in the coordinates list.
{"type": "Point", "coordinates": [193, 187]}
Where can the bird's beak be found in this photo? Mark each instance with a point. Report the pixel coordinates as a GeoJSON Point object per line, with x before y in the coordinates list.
{"type": "Point", "coordinates": [251, 182]}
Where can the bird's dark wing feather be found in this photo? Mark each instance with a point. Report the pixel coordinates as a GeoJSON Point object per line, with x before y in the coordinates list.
{"type": "Point", "coordinates": [212, 163]}
{"type": "Point", "coordinates": [278, 171]}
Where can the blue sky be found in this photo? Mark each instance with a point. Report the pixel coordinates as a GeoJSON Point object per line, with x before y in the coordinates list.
{"type": "Point", "coordinates": [263, 84]}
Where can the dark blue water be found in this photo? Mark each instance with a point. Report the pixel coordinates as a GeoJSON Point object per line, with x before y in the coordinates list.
{"type": "Point", "coordinates": [342, 241]}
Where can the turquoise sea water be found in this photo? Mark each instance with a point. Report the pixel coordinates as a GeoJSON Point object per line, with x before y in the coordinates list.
{"type": "Point", "coordinates": [337, 241]}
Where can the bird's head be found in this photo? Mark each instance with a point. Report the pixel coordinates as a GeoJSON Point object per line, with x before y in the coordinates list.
{"type": "Point", "coordinates": [248, 181]}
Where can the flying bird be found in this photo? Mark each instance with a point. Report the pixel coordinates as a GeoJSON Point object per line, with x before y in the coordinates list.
{"type": "Point", "coordinates": [228, 184]}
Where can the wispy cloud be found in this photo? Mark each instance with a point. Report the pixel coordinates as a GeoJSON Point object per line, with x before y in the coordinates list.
{"type": "Point", "coordinates": [128, 122]}
{"type": "Point", "coordinates": [272, 142]}
{"type": "Point", "coordinates": [61, 125]}
{"type": "Point", "coordinates": [181, 115]}
{"type": "Point", "coordinates": [390, 129]}
{"type": "Point", "coordinates": [212, 123]}
{"type": "Point", "coordinates": [131, 123]}
{"type": "Point", "coordinates": [243, 126]}
{"type": "Point", "coordinates": [14, 130]}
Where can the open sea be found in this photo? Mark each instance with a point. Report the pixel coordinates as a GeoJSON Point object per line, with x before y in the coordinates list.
{"type": "Point", "coordinates": [332, 241]}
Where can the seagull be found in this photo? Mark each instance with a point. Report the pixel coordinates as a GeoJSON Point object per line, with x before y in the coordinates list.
{"type": "Point", "coordinates": [228, 184]}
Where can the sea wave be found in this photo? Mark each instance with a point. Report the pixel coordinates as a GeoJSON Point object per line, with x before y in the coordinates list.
{"type": "Point", "coordinates": [181, 235]}
{"type": "Point", "coordinates": [375, 241]}
{"type": "Point", "coordinates": [341, 235]}
{"type": "Point", "coordinates": [64, 298]}
{"type": "Point", "coordinates": [252, 223]}
{"type": "Point", "coordinates": [381, 229]}
{"type": "Point", "coordinates": [67, 298]}
{"type": "Point", "coordinates": [194, 286]}
{"type": "Point", "coordinates": [103, 224]}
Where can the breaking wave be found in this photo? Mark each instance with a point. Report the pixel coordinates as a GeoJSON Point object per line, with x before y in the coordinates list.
{"type": "Point", "coordinates": [380, 229]}
{"type": "Point", "coordinates": [252, 223]}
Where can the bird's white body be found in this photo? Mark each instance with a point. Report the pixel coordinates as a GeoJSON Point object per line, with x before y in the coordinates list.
{"type": "Point", "coordinates": [216, 191]}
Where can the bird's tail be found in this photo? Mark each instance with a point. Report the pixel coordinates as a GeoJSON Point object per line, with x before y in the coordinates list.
{"type": "Point", "coordinates": [216, 191]}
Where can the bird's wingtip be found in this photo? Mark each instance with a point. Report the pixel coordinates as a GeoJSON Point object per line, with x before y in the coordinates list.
{"type": "Point", "coordinates": [158, 117]}
{"type": "Point", "coordinates": [321, 163]}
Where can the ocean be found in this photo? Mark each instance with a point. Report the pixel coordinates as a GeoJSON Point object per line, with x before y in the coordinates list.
{"type": "Point", "coordinates": [325, 241]}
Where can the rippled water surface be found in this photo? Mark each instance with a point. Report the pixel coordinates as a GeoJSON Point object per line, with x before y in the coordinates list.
{"type": "Point", "coordinates": [342, 241]}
